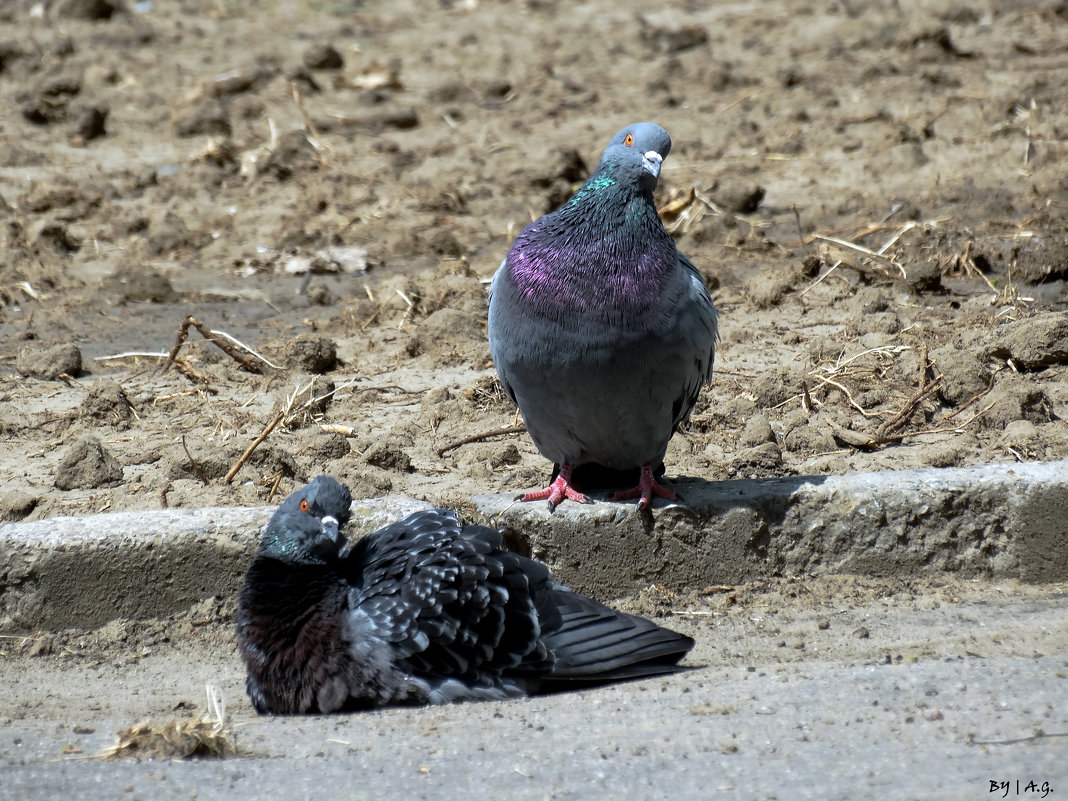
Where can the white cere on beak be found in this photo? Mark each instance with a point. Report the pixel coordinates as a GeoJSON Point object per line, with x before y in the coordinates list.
{"type": "Point", "coordinates": [651, 161]}
{"type": "Point", "coordinates": [330, 527]}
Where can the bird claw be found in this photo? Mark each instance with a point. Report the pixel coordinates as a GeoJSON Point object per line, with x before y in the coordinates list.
{"type": "Point", "coordinates": [559, 491]}
{"type": "Point", "coordinates": [646, 489]}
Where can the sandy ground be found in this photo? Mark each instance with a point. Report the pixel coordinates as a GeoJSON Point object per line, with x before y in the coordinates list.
{"type": "Point", "coordinates": [361, 251]}
{"type": "Point", "coordinates": [825, 689]}
{"type": "Point", "coordinates": [874, 191]}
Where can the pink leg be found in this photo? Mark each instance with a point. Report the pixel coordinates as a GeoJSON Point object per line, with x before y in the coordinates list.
{"type": "Point", "coordinates": [646, 489]}
{"type": "Point", "coordinates": [558, 490]}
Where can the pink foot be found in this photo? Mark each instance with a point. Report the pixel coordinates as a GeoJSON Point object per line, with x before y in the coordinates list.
{"type": "Point", "coordinates": [558, 490]}
{"type": "Point", "coordinates": [646, 489]}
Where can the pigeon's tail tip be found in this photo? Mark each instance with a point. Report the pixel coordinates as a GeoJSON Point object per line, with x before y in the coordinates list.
{"type": "Point", "coordinates": [595, 643]}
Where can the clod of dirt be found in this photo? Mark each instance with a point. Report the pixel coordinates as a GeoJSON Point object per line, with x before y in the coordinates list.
{"type": "Point", "coordinates": [435, 396]}
{"type": "Point", "coordinates": [963, 375]}
{"type": "Point", "coordinates": [1033, 343]}
{"type": "Point", "coordinates": [310, 404]}
{"type": "Point", "coordinates": [768, 287]}
{"type": "Point", "coordinates": [107, 403]}
{"type": "Point", "coordinates": [272, 460]}
{"type": "Point", "coordinates": [764, 459]}
{"type": "Point", "coordinates": [757, 431]}
{"type": "Point", "coordinates": [54, 236]}
{"type": "Point", "coordinates": [569, 166]}
{"type": "Point", "coordinates": [493, 456]}
{"type": "Point", "coordinates": [206, 117]}
{"type": "Point", "coordinates": [322, 57]}
{"type": "Point", "coordinates": [16, 505]}
{"type": "Point", "coordinates": [10, 52]}
{"type": "Point", "coordinates": [923, 276]}
{"type": "Point", "coordinates": [319, 395]}
{"type": "Point", "coordinates": [51, 103]}
{"type": "Point", "coordinates": [92, 124]}
{"type": "Point", "coordinates": [1019, 432]}
{"type": "Point", "coordinates": [87, 464]}
{"type": "Point", "coordinates": [451, 92]}
{"type": "Point", "coordinates": [954, 452]}
{"type": "Point", "coordinates": [884, 322]}
{"type": "Point", "coordinates": [303, 79]}
{"type": "Point", "coordinates": [311, 354]}
{"type": "Point", "coordinates": [799, 435]}
{"type": "Point", "coordinates": [75, 200]}
{"type": "Point", "coordinates": [1040, 259]}
{"type": "Point", "coordinates": [363, 481]}
{"type": "Point", "coordinates": [669, 38]}
{"type": "Point", "coordinates": [139, 285]}
{"type": "Point", "coordinates": [1014, 399]}
{"type": "Point", "coordinates": [741, 199]}
{"type": "Point", "coordinates": [322, 446]}
{"type": "Point", "coordinates": [941, 39]}
{"type": "Point", "coordinates": [169, 233]}
{"type": "Point", "coordinates": [570, 170]}
{"type": "Point", "coordinates": [49, 362]}
{"type": "Point", "coordinates": [444, 243]}
{"type": "Point", "coordinates": [868, 300]}
{"type": "Point", "coordinates": [202, 461]}
{"type": "Point", "coordinates": [777, 384]}
{"type": "Point", "coordinates": [388, 456]}
{"type": "Point", "coordinates": [293, 153]}
{"type": "Point", "coordinates": [88, 9]}
{"type": "Point", "coordinates": [504, 455]}
{"type": "Point", "coordinates": [401, 119]}
{"type": "Point", "coordinates": [452, 326]}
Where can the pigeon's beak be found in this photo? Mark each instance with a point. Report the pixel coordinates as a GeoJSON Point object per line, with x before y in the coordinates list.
{"type": "Point", "coordinates": [330, 528]}
{"type": "Point", "coordinates": [651, 162]}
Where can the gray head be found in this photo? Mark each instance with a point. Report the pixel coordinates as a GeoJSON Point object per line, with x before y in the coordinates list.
{"type": "Point", "coordinates": [641, 148]}
{"type": "Point", "coordinates": [306, 528]}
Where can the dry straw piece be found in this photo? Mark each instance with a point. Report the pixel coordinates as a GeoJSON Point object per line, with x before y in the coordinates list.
{"type": "Point", "coordinates": [205, 736]}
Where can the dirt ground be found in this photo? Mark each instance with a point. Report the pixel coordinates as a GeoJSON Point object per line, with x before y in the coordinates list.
{"type": "Point", "coordinates": [875, 192]}
{"type": "Point", "coordinates": [962, 681]}
{"type": "Point", "coordinates": [333, 185]}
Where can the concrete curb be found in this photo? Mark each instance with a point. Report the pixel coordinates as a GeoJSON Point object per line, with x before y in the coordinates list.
{"type": "Point", "coordinates": [81, 572]}
{"type": "Point", "coordinates": [995, 521]}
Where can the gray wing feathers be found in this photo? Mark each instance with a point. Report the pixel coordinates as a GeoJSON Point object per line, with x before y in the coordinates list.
{"type": "Point", "coordinates": [596, 643]}
{"type": "Point", "coordinates": [465, 620]}
{"type": "Point", "coordinates": [699, 319]}
{"type": "Point", "coordinates": [448, 602]}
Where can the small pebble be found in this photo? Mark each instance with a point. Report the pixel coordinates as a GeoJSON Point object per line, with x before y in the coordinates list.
{"type": "Point", "coordinates": [323, 57]}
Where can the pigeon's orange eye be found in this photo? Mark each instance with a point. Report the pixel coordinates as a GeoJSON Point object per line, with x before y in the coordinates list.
{"type": "Point", "coordinates": [629, 140]}
{"type": "Point", "coordinates": [304, 505]}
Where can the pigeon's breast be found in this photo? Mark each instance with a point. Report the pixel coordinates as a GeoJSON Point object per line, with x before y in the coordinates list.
{"type": "Point", "coordinates": [600, 283]}
{"type": "Point", "coordinates": [598, 386]}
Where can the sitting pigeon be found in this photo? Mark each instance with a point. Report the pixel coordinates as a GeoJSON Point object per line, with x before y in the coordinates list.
{"type": "Point", "coordinates": [427, 610]}
{"type": "Point", "coordinates": [601, 331]}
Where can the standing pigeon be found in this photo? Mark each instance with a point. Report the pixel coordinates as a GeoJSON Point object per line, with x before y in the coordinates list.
{"type": "Point", "coordinates": [427, 610]}
{"type": "Point", "coordinates": [601, 331]}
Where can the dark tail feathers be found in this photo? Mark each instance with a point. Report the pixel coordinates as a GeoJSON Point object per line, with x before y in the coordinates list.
{"type": "Point", "coordinates": [595, 643]}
